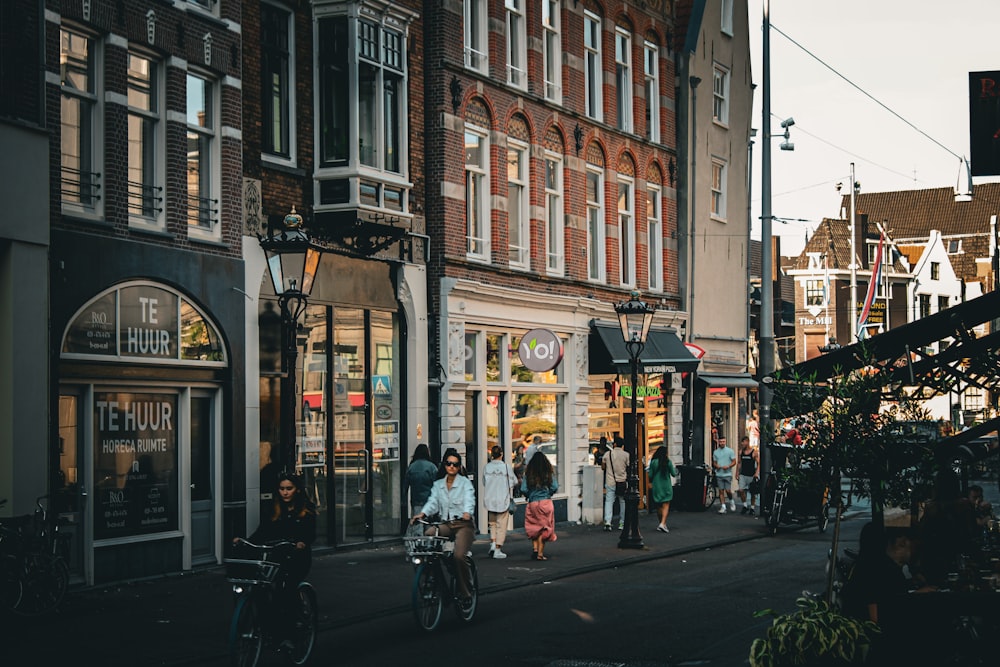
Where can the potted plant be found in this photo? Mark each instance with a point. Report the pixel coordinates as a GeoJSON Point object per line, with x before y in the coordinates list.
{"type": "Point", "coordinates": [815, 635]}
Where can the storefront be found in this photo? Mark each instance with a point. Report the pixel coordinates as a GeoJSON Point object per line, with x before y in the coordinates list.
{"type": "Point", "coordinates": [146, 375]}
{"type": "Point", "coordinates": [360, 380]}
{"type": "Point", "coordinates": [490, 396]}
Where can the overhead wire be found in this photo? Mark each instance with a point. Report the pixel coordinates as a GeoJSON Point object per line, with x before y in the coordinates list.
{"type": "Point", "coordinates": [865, 93]}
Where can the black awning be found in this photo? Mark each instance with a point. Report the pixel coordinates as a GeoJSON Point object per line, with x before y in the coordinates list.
{"type": "Point", "coordinates": [663, 353]}
{"type": "Point", "coordinates": [739, 380]}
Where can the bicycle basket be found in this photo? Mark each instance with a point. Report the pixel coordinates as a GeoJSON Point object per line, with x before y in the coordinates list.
{"type": "Point", "coordinates": [240, 571]}
{"type": "Point", "coordinates": [427, 545]}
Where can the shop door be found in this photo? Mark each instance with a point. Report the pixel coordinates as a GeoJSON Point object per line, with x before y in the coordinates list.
{"type": "Point", "coordinates": [202, 479]}
{"type": "Point", "coordinates": [367, 463]}
{"type": "Point", "coordinates": [69, 497]}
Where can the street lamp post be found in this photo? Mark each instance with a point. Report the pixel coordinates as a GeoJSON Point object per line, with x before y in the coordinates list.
{"type": "Point", "coordinates": [634, 316]}
{"type": "Point", "coordinates": [292, 260]}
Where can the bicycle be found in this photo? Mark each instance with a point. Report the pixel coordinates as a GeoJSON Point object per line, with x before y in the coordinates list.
{"type": "Point", "coordinates": [255, 621]}
{"type": "Point", "coordinates": [435, 579]}
{"type": "Point", "coordinates": [33, 553]}
{"type": "Point", "coordinates": [776, 505]}
{"type": "Point", "coordinates": [711, 489]}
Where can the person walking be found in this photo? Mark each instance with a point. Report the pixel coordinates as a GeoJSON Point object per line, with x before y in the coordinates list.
{"type": "Point", "coordinates": [615, 465]}
{"type": "Point", "coordinates": [498, 493]}
{"type": "Point", "coordinates": [724, 460]}
{"type": "Point", "coordinates": [661, 472]}
{"type": "Point", "coordinates": [753, 429]}
{"type": "Point", "coordinates": [749, 472]}
{"type": "Point", "coordinates": [539, 485]}
{"type": "Point", "coordinates": [419, 479]}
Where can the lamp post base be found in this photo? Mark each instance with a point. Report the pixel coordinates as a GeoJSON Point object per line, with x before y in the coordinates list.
{"type": "Point", "coordinates": [630, 537]}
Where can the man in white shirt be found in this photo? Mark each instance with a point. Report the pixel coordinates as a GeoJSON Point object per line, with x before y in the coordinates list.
{"type": "Point", "coordinates": [615, 464]}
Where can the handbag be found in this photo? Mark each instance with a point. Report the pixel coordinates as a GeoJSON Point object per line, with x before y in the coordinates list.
{"type": "Point", "coordinates": [620, 487]}
{"type": "Point", "coordinates": [754, 486]}
{"type": "Point", "coordinates": [512, 507]}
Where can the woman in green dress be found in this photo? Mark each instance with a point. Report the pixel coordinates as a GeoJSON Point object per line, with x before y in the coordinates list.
{"type": "Point", "coordinates": [661, 472]}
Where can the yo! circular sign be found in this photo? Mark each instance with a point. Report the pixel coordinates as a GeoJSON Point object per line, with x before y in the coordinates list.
{"type": "Point", "coordinates": [540, 350]}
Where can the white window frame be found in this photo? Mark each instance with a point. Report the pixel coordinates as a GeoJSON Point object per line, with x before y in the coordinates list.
{"type": "Point", "coordinates": [203, 218]}
{"type": "Point", "coordinates": [626, 230]}
{"type": "Point", "coordinates": [146, 195]}
{"type": "Point", "coordinates": [555, 232]}
{"type": "Point", "coordinates": [727, 17]}
{"type": "Point", "coordinates": [88, 151]}
{"type": "Point", "coordinates": [651, 66]}
{"type": "Point", "coordinates": [476, 45]}
{"type": "Point", "coordinates": [288, 106]}
{"type": "Point", "coordinates": [362, 125]}
{"type": "Point", "coordinates": [654, 236]}
{"type": "Point", "coordinates": [596, 230]}
{"type": "Point", "coordinates": [593, 67]}
{"type": "Point", "coordinates": [518, 208]}
{"type": "Point", "coordinates": [718, 199]}
{"type": "Point", "coordinates": [477, 196]}
{"type": "Point", "coordinates": [552, 49]}
{"type": "Point", "coordinates": [517, 44]}
{"type": "Point", "coordinates": [720, 95]}
{"type": "Point", "coordinates": [623, 79]}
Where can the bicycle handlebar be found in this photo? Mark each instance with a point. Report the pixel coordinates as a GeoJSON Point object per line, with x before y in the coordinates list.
{"type": "Point", "coordinates": [273, 545]}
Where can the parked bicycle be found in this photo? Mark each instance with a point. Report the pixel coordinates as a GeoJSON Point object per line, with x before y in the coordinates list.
{"type": "Point", "coordinates": [783, 503]}
{"type": "Point", "coordinates": [435, 580]}
{"type": "Point", "coordinates": [260, 617]}
{"type": "Point", "coordinates": [711, 488]}
{"type": "Point", "coordinates": [34, 573]}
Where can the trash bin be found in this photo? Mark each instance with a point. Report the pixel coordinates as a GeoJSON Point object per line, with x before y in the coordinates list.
{"type": "Point", "coordinates": [691, 490]}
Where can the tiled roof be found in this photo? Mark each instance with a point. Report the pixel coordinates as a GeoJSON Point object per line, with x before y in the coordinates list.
{"type": "Point", "coordinates": [913, 213]}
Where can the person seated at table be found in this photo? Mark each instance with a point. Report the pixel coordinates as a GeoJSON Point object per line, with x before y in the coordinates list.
{"type": "Point", "coordinates": [877, 590]}
{"type": "Point", "coordinates": [947, 529]}
{"type": "Point", "coordinates": [982, 509]}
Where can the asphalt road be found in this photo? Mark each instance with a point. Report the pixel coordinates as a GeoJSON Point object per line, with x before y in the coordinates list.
{"type": "Point", "coordinates": [695, 609]}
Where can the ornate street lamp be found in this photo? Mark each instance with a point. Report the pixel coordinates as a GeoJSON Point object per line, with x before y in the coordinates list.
{"type": "Point", "coordinates": [634, 316]}
{"type": "Point", "coordinates": [292, 260]}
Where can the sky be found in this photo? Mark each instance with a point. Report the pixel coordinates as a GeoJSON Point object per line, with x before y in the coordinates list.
{"type": "Point", "coordinates": [912, 56]}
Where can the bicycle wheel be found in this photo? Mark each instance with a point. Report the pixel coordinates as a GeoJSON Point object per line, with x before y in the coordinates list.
{"type": "Point", "coordinates": [245, 636]}
{"type": "Point", "coordinates": [711, 492]}
{"type": "Point", "coordinates": [44, 580]}
{"type": "Point", "coordinates": [824, 518]}
{"type": "Point", "coordinates": [426, 596]}
{"type": "Point", "coordinates": [304, 633]}
{"type": "Point", "coordinates": [10, 589]}
{"type": "Point", "coordinates": [465, 611]}
{"type": "Point", "coordinates": [774, 518]}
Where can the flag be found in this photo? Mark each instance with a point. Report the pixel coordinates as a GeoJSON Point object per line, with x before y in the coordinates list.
{"type": "Point", "coordinates": [872, 288]}
{"type": "Point", "coordinates": [826, 281]}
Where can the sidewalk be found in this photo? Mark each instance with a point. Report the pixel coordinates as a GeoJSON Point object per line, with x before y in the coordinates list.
{"type": "Point", "coordinates": [183, 619]}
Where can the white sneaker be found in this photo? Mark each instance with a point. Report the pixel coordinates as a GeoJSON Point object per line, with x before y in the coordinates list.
{"type": "Point", "coordinates": [732, 506]}
{"type": "Point", "coordinates": [723, 510]}
{"type": "Point", "coordinates": [499, 554]}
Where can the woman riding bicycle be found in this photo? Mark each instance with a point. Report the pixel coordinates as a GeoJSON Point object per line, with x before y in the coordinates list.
{"type": "Point", "coordinates": [292, 518]}
{"type": "Point", "coordinates": [453, 497]}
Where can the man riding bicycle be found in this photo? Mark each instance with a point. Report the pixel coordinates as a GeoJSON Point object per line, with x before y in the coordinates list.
{"type": "Point", "coordinates": [454, 498]}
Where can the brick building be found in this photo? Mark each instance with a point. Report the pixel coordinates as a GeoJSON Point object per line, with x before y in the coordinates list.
{"type": "Point", "coordinates": [146, 317]}
{"type": "Point", "coordinates": [333, 127]}
{"type": "Point", "coordinates": [550, 130]}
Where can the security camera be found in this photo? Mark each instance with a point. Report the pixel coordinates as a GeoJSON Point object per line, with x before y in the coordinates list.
{"type": "Point", "coordinates": [787, 146]}
{"type": "Point", "coordinates": [788, 122]}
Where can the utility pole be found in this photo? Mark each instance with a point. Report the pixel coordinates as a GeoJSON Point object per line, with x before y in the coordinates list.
{"type": "Point", "coordinates": [854, 266]}
{"type": "Point", "coordinates": [766, 366]}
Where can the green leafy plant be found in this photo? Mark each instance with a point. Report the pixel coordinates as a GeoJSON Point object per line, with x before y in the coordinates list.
{"type": "Point", "coordinates": [815, 635]}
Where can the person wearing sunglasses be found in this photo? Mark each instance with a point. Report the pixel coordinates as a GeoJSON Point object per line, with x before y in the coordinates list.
{"type": "Point", "coordinates": [453, 498]}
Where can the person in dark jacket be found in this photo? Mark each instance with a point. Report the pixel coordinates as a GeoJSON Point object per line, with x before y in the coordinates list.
{"type": "Point", "coordinates": [292, 518]}
{"type": "Point", "coordinates": [419, 479]}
